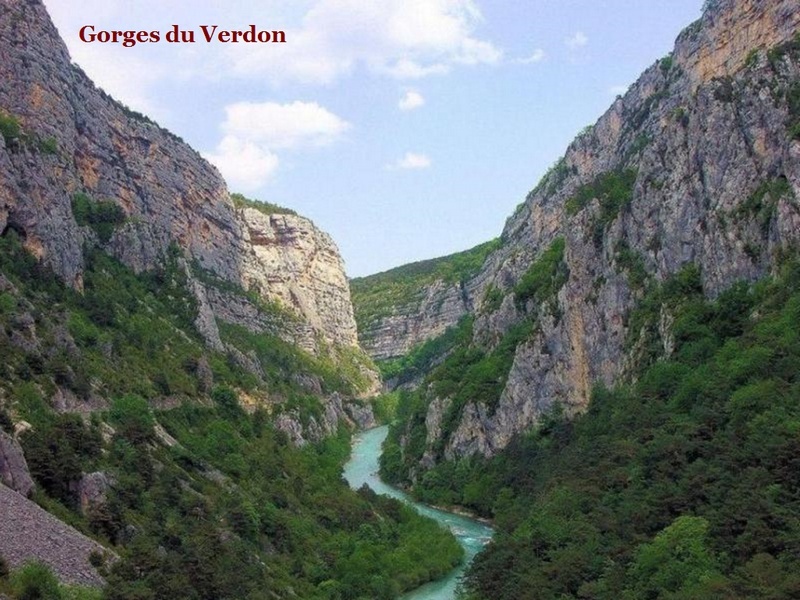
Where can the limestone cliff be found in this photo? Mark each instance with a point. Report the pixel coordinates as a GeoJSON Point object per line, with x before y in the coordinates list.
{"type": "Point", "coordinates": [401, 308]}
{"type": "Point", "coordinates": [67, 141]}
{"type": "Point", "coordinates": [292, 261]}
{"type": "Point", "coordinates": [697, 164]}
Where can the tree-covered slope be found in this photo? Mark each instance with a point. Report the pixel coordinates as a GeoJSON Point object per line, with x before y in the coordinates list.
{"type": "Point", "coordinates": [683, 484]}
{"type": "Point", "coordinates": [198, 496]}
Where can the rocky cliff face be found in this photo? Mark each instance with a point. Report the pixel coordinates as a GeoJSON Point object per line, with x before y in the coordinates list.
{"type": "Point", "coordinates": [13, 467]}
{"type": "Point", "coordinates": [290, 260]}
{"type": "Point", "coordinates": [401, 308]}
{"type": "Point", "coordinates": [720, 43]}
{"type": "Point", "coordinates": [698, 164]}
{"type": "Point", "coordinates": [439, 305]}
{"type": "Point", "coordinates": [75, 141]}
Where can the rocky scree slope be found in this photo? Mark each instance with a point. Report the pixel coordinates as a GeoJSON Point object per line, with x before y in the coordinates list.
{"type": "Point", "coordinates": [27, 532]}
{"type": "Point", "coordinates": [77, 168]}
{"type": "Point", "coordinates": [697, 164]}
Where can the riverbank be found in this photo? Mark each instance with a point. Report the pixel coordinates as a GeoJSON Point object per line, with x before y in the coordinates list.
{"type": "Point", "coordinates": [459, 510]}
{"type": "Point", "coordinates": [472, 534]}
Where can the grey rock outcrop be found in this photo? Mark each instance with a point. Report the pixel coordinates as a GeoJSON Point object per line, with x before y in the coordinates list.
{"type": "Point", "coordinates": [78, 140]}
{"type": "Point", "coordinates": [436, 307]}
{"type": "Point", "coordinates": [93, 491]}
{"type": "Point", "coordinates": [14, 471]}
{"type": "Point", "coordinates": [705, 137]}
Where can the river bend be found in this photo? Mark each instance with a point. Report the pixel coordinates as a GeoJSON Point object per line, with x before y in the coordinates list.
{"type": "Point", "coordinates": [472, 535]}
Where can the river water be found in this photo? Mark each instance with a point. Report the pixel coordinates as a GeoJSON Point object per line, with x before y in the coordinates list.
{"type": "Point", "coordinates": [473, 535]}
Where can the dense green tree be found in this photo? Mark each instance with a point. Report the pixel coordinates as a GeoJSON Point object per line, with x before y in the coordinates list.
{"type": "Point", "coordinates": [133, 420]}
{"type": "Point", "coordinates": [676, 563]}
{"type": "Point", "coordinates": [680, 483]}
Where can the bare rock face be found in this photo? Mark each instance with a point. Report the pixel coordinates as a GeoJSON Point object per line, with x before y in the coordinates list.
{"type": "Point", "coordinates": [717, 46]}
{"type": "Point", "coordinates": [77, 140]}
{"type": "Point", "coordinates": [292, 261]}
{"type": "Point", "coordinates": [702, 135]}
{"type": "Point", "coordinates": [437, 306]}
{"type": "Point", "coordinates": [13, 467]}
{"type": "Point", "coordinates": [93, 491]}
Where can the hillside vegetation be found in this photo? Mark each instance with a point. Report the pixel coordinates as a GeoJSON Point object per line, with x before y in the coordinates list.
{"type": "Point", "coordinates": [206, 500]}
{"type": "Point", "coordinates": [681, 485]}
{"type": "Point", "coordinates": [379, 295]}
{"type": "Point", "coordinates": [242, 201]}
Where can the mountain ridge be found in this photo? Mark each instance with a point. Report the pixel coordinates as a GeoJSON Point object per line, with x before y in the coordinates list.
{"type": "Point", "coordinates": [696, 164]}
{"type": "Point", "coordinates": [83, 170]}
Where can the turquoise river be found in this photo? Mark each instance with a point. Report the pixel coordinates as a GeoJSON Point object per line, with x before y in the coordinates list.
{"type": "Point", "coordinates": [473, 535]}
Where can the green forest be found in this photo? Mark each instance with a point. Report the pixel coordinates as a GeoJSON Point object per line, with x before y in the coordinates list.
{"type": "Point", "coordinates": [683, 483]}
{"type": "Point", "coordinates": [208, 501]}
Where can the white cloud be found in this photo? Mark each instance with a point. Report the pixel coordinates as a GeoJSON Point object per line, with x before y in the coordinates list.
{"type": "Point", "coordinates": [411, 160]}
{"type": "Point", "coordinates": [411, 100]}
{"type": "Point", "coordinates": [253, 131]}
{"type": "Point", "coordinates": [474, 52]}
{"type": "Point", "coordinates": [618, 90]}
{"type": "Point", "coordinates": [244, 165]}
{"type": "Point", "coordinates": [283, 125]}
{"type": "Point", "coordinates": [408, 69]}
{"type": "Point", "coordinates": [537, 56]}
{"type": "Point", "coordinates": [577, 40]}
{"type": "Point", "coordinates": [405, 39]}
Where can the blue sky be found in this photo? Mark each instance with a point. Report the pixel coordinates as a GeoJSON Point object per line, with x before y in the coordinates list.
{"type": "Point", "coordinates": [407, 129]}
